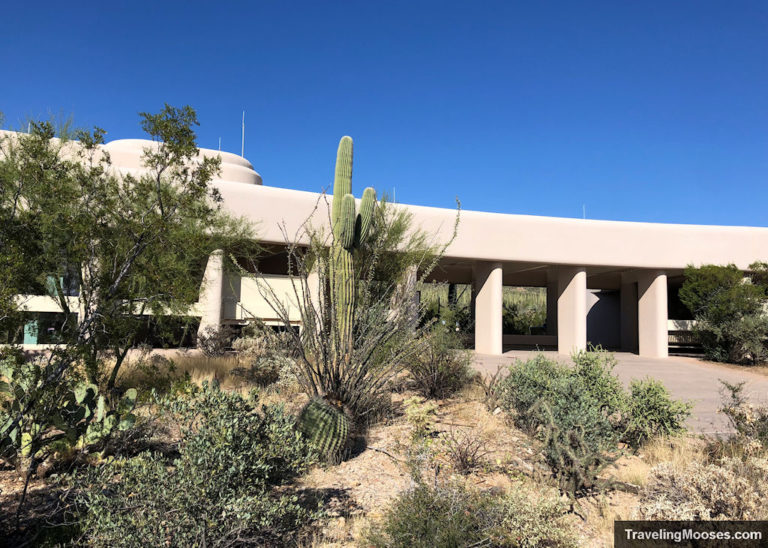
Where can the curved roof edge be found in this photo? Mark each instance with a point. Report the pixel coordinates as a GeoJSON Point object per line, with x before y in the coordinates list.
{"type": "Point", "coordinates": [521, 238]}
{"type": "Point", "coordinates": [126, 153]}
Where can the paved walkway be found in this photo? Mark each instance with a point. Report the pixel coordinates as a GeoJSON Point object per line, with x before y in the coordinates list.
{"type": "Point", "coordinates": [686, 378]}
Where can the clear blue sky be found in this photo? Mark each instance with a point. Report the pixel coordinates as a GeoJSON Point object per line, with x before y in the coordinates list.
{"type": "Point", "coordinates": [642, 110]}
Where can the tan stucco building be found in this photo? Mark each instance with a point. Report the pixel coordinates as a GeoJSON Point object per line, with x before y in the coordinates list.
{"type": "Point", "coordinates": [607, 282]}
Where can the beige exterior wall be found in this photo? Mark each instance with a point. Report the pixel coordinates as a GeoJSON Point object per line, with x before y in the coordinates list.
{"type": "Point", "coordinates": [572, 255]}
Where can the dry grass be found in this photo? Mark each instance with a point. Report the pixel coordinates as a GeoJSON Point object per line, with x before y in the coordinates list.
{"type": "Point", "coordinates": [632, 470]}
{"type": "Point", "coordinates": [676, 450]}
{"type": "Point", "coordinates": [153, 370]}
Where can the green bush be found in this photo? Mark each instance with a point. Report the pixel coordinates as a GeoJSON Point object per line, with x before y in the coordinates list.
{"type": "Point", "coordinates": [582, 413]}
{"type": "Point", "coordinates": [221, 489]}
{"type": "Point", "coordinates": [451, 516]}
{"type": "Point", "coordinates": [595, 368]}
{"type": "Point", "coordinates": [731, 323]}
{"type": "Point", "coordinates": [652, 412]}
{"type": "Point", "coordinates": [590, 396]}
{"type": "Point", "coordinates": [568, 395]}
{"type": "Point", "coordinates": [443, 366]}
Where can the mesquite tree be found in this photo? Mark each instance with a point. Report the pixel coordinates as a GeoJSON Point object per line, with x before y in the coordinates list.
{"type": "Point", "coordinates": [134, 243]}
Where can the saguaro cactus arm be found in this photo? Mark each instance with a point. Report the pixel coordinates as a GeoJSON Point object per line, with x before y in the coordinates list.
{"type": "Point", "coordinates": [342, 181]}
{"type": "Point", "coordinates": [365, 218]}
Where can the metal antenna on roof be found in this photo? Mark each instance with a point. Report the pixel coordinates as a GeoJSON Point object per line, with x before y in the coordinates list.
{"type": "Point", "coordinates": [242, 146]}
{"type": "Point", "coordinates": [219, 144]}
{"type": "Point", "coordinates": [584, 211]}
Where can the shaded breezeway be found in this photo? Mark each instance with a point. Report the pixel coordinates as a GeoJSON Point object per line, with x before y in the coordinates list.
{"type": "Point", "coordinates": [686, 378]}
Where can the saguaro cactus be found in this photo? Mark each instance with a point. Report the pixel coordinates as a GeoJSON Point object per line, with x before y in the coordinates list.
{"type": "Point", "coordinates": [350, 231]}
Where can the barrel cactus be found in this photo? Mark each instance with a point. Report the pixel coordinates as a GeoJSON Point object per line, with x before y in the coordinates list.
{"type": "Point", "coordinates": [326, 426]}
{"type": "Point", "coordinates": [350, 231]}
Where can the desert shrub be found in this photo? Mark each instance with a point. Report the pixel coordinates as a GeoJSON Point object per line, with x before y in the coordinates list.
{"type": "Point", "coordinates": [730, 489]}
{"type": "Point", "coordinates": [575, 461]}
{"type": "Point", "coordinates": [464, 450]}
{"type": "Point", "coordinates": [492, 388]}
{"type": "Point", "coordinates": [568, 396]}
{"type": "Point", "coordinates": [442, 367]}
{"type": "Point", "coordinates": [450, 516]}
{"type": "Point", "coordinates": [214, 341]}
{"type": "Point", "coordinates": [590, 396]}
{"type": "Point", "coordinates": [220, 490]}
{"type": "Point", "coordinates": [749, 421]}
{"type": "Point", "coordinates": [554, 402]}
{"type": "Point", "coordinates": [595, 368]}
{"type": "Point", "coordinates": [582, 413]}
{"type": "Point", "coordinates": [263, 360]}
{"type": "Point", "coordinates": [151, 373]}
{"type": "Point", "coordinates": [419, 450]}
{"type": "Point", "coordinates": [652, 412]}
{"type": "Point", "coordinates": [731, 323]}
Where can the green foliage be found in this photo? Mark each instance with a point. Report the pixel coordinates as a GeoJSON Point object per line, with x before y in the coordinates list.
{"type": "Point", "coordinates": [442, 367]}
{"type": "Point", "coordinates": [595, 368]}
{"type": "Point", "coordinates": [73, 414]}
{"type": "Point", "coordinates": [731, 322]}
{"type": "Point", "coordinates": [576, 462]}
{"type": "Point", "coordinates": [571, 400]}
{"type": "Point", "coordinates": [524, 308]}
{"type": "Point", "coordinates": [583, 412]}
{"type": "Point", "coordinates": [326, 426]}
{"type": "Point", "coordinates": [652, 412]}
{"type": "Point", "coordinates": [222, 489]}
{"type": "Point", "coordinates": [344, 352]}
{"type": "Point", "coordinates": [127, 235]}
{"type": "Point", "coordinates": [451, 516]}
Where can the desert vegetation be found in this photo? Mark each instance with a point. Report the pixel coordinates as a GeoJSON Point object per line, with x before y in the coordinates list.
{"type": "Point", "coordinates": [524, 308]}
{"type": "Point", "coordinates": [730, 311]}
{"type": "Point", "coordinates": [368, 426]}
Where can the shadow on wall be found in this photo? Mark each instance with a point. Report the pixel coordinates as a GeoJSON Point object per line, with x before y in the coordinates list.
{"type": "Point", "coordinates": [604, 318]}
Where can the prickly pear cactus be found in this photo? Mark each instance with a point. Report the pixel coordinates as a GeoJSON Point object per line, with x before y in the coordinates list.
{"type": "Point", "coordinates": [326, 426]}
{"type": "Point", "coordinates": [350, 231]}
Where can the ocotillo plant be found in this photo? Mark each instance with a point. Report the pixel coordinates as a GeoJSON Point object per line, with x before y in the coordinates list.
{"type": "Point", "coordinates": [350, 231]}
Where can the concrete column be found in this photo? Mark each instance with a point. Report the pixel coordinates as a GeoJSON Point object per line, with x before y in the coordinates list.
{"type": "Point", "coordinates": [571, 309]}
{"type": "Point", "coordinates": [488, 291]}
{"type": "Point", "coordinates": [552, 295]}
{"type": "Point", "coordinates": [628, 320]}
{"type": "Point", "coordinates": [652, 331]}
{"type": "Point", "coordinates": [211, 292]}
